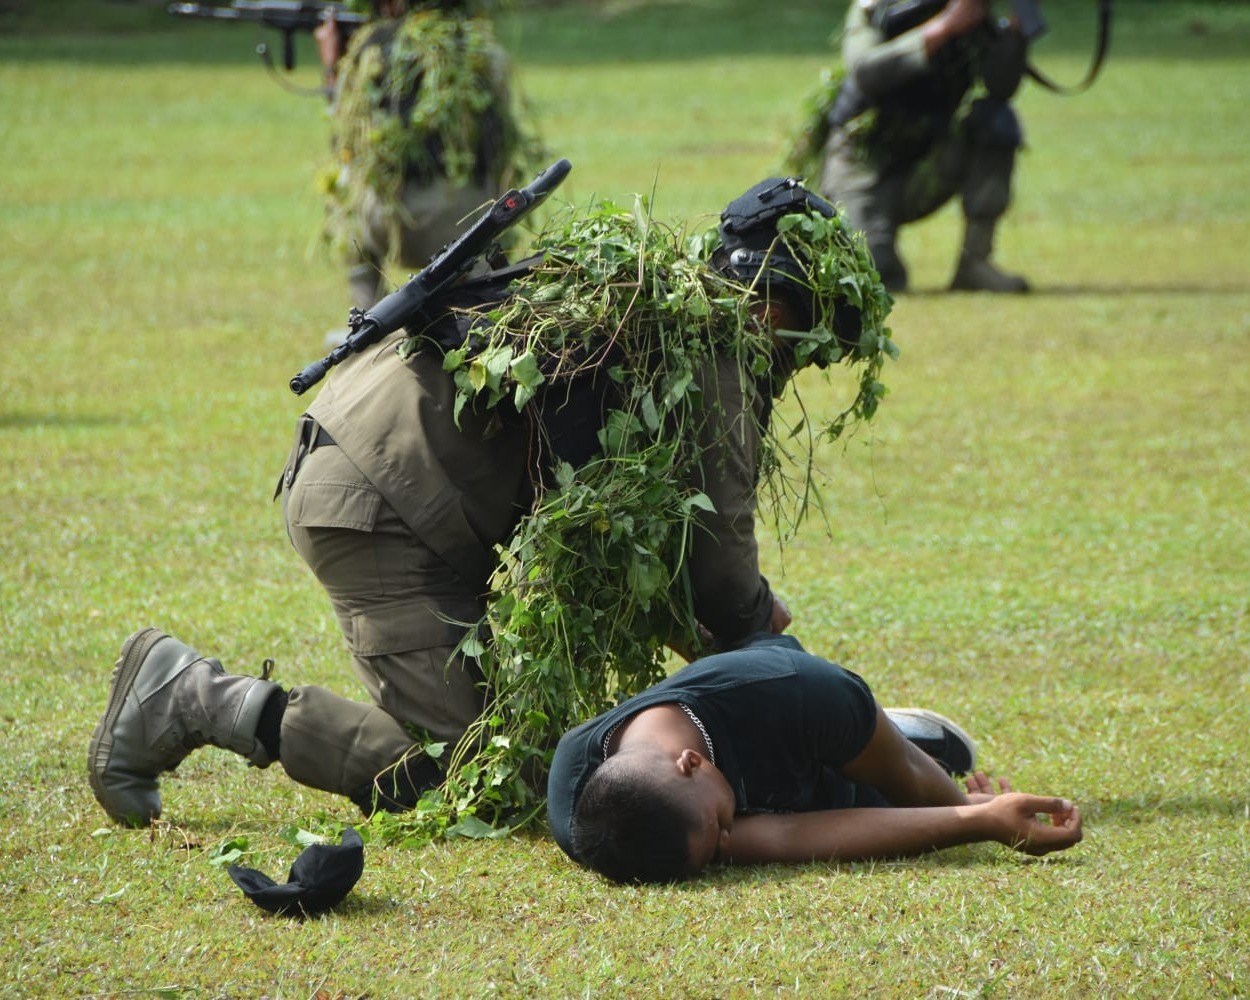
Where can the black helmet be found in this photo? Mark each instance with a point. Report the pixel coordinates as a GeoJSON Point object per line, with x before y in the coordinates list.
{"type": "Point", "coordinates": [752, 253]}
{"type": "Point", "coordinates": [750, 220]}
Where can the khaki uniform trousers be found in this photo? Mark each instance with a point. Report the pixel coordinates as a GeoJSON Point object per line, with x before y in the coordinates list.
{"type": "Point", "coordinates": [879, 201]}
{"type": "Point", "coordinates": [402, 610]}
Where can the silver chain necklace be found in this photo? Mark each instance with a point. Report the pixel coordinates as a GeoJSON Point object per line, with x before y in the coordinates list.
{"type": "Point", "coordinates": [607, 737]}
{"type": "Point", "coordinates": [711, 750]}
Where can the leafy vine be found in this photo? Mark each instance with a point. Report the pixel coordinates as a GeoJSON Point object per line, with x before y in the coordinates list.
{"type": "Point", "coordinates": [594, 581]}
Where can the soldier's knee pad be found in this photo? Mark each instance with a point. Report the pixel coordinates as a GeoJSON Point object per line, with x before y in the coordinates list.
{"type": "Point", "coordinates": [993, 124]}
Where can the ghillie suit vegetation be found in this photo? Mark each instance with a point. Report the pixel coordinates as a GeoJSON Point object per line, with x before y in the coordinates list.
{"type": "Point", "coordinates": [595, 580]}
{"type": "Point", "coordinates": [425, 96]}
{"type": "Point", "coordinates": [806, 146]}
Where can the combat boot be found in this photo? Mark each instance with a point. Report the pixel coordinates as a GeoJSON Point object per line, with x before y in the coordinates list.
{"type": "Point", "coordinates": [165, 701]}
{"type": "Point", "coordinates": [976, 274]}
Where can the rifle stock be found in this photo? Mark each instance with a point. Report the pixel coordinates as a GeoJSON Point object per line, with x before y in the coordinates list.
{"type": "Point", "coordinates": [287, 16]}
{"type": "Point", "coordinates": [446, 267]}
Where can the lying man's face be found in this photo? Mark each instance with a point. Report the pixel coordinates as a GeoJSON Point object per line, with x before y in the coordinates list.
{"type": "Point", "coordinates": [711, 803]}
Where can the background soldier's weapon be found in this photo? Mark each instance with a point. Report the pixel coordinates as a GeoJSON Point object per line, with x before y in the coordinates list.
{"type": "Point", "coordinates": [287, 16]}
{"type": "Point", "coordinates": [896, 17]}
{"type": "Point", "coordinates": [446, 267]}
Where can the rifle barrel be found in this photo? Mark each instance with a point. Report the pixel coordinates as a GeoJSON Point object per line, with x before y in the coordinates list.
{"type": "Point", "coordinates": [402, 305]}
{"type": "Point", "coordinates": [286, 15]}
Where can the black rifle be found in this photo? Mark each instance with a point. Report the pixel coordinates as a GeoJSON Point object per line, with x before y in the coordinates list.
{"type": "Point", "coordinates": [287, 16]}
{"type": "Point", "coordinates": [893, 18]}
{"type": "Point", "coordinates": [896, 17]}
{"type": "Point", "coordinates": [445, 268]}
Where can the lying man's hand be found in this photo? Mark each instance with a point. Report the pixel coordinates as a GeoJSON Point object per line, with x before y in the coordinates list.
{"type": "Point", "coordinates": [981, 786]}
{"type": "Point", "coordinates": [1034, 824]}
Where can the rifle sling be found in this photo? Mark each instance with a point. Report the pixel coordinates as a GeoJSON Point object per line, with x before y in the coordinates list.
{"type": "Point", "coordinates": [1100, 52]}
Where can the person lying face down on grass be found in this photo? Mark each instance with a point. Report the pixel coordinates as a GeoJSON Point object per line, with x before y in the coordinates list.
{"type": "Point", "coordinates": [768, 754]}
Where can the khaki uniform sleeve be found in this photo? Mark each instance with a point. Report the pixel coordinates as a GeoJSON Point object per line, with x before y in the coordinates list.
{"type": "Point", "coordinates": [732, 600]}
{"type": "Point", "coordinates": [879, 66]}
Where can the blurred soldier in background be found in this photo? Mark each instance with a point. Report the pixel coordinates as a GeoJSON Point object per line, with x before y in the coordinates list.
{"type": "Point", "coordinates": [923, 115]}
{"type": "Point", "coordinates": [425, 131]}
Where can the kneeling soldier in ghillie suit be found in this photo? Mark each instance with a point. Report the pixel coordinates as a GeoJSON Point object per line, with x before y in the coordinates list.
{"type": "Point", "coordinates": [621, 345]}
{"type": "Point", "coordinates": [922, 115]}
{"type": "Point", "coordinates": [425, 130]}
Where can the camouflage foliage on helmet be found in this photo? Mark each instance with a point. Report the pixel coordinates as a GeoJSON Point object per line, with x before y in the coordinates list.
{"type": "Point", "coordinates": [781, 240]}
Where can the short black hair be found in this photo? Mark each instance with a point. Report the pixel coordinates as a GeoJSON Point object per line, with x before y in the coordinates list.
{"type": "Point", "coordinates": [631, 828]}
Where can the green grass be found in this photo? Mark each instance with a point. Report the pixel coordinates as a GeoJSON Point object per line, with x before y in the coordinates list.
{"type": "Point", "coordinates": [1044, 534]}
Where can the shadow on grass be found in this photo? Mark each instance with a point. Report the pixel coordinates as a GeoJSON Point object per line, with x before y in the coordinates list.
{"type": "Point", "coordinates": [1150, 808]}
{"type": "Point", "coordinates": [26, 421]}
{"type": "Point", "coordinates": [1116, 290]}
{"type": "Point", "coordinates": [1122, 290]}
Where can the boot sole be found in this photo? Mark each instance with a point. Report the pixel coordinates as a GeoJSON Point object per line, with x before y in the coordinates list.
{"type": "Point", "coordinates": [100, 749]}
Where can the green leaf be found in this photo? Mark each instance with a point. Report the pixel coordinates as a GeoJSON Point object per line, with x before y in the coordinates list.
{"type": "Point", "coordinates": [476, 829]}
{"type": "Point", "coordinates": [650, 416]}
{"type": "Point", "coordinates": [228, 851]}
{"type": "Point", "coordinates": [698, 501]}
{"type": "Point", "coordinates": [529, 378]}
{"type": "Point", "coordinates": [301, 837]}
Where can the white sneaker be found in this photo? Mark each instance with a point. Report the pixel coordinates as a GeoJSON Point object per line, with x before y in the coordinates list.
{"type": "Point", "coordinates": [937, 736]}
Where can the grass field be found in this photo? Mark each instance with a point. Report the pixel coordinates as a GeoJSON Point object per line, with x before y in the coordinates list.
{"type": "Point", "coordinates": [1044, 534]}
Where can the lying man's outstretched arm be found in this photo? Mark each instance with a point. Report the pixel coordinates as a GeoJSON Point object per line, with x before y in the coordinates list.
{"type": "Point", "coordinates": [861, 834]}
{"type": "Point", "coordinates": [932, 812]}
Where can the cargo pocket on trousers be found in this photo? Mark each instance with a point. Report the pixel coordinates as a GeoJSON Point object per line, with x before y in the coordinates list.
{"type": "Point", "coordinates": [405, 651]}
{"type": "Point", "coordinates": [330, 492]}
{"type": "Point", "coordinates": [406, 626]}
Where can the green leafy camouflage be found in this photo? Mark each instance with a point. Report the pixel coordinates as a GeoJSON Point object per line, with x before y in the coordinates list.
{"type": "Point", "coordinates": [594, 580]}
{"type": "Point", "coordinates": [420, 97]}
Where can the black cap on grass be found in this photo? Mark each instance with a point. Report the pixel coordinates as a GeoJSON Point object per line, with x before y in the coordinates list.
{"type": "Point", "coordinates": [320, 878]}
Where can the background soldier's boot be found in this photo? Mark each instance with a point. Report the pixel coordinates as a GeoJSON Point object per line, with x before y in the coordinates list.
{"type": "Point", "coordinates": [165, 701]}
{"type": "Point", "coordinates": [975, 272]}
{"type": "Point", "coordinates": [889, 264]}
